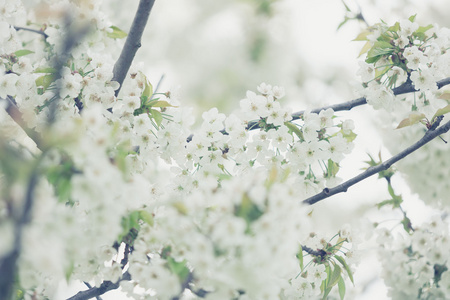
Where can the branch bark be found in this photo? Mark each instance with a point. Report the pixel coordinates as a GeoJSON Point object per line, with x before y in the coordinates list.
{"type": "Point", "coordinates": [429, 136]}
{"type": "Point", "coordinates": [41, 32]}
{"type": "Point", "coordinates": [132, 43]}
{"type": "Point", "coordinates": [106, 286]}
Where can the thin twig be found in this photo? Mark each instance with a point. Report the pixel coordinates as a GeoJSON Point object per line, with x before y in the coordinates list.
{"type": "Point", "coordinates": [328, 192]}
{"type": "Point", "coordinates": [106, 286]}
{"type": "Point", "coordinates": [157, 86]}
{"type": "Point", "coordinates": [17, 28]}
{"type": "Point", "coordinates": [132, 43]}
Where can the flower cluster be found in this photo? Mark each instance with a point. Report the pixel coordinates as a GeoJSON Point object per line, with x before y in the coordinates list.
{"type": "Point", "coordinates": [217, 211]}
{"type": "Point", "coordinates": [415, 266]}
{"type": "Point", "coordinates": [405, 53]}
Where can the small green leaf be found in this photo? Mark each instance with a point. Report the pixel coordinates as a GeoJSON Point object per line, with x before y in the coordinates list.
{"type": "Point", "coordinates": [440, 112]}
{"type": "Point", "coordinates": [422, 29]}
{"type": "Point", "coordinates": [362, 36]}
{"type": "Point", "coordinates": [247, 210]}
{"type": "Point", "coordinates": [178, 268]}
{"type": "Point", "coordinates": [294, 128]}
{"type": "Point", "coordinates": [69, 270]}
{"type": "Point", "coordinates": [395, 27]}
{"type": "Point", "coordinates": [116, 33]}
{"type": "Point", "coordinates": [412, 18]}
{"type": "Point", "coordinates": [45, 81]}
{"type": "Point", "coordinates": [413, 118]}
{"type": "Point", "coordinates": [45, 70]}
{"type": "Point", "coordinates": [343, 23]}
{"type": "Point", "coordinates": [346, 7]}
{"type": "Point", "coordinates": [406, 222]}
{"type": "Point", "coordinates": [157, 116]}
{"type": "Point", "coordinates": [146, 217]}
{"type": "Point", "coordinates": [365, 48]}
{"type": "Point", "coordinates": [445, 95]}
{"type": "Point", "coordinates": [333, 169]}
{"type": "Point", "coordinates": [341, 286]}
{"type": "Point", "coordinates": [148, 89]}
{"type": "Point", "coordinates": [300, 257]}
{"type": "Point", "coordinates": [346, 267]}
{"type": "Point", "coordinates": [332, 281]}
{"type": "Point", "coordinates": [23, 52]}
{"type": "Point", "coordinates": [162, 104]}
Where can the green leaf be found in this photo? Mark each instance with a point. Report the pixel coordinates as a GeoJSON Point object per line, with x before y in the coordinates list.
{"type": "Point", "coordinates": [116, 33]}
{"type": "Point", "coordinates": [343, 23]}
{"type": "Point", "coordinates": [23, 52]}
{"type": "Point", "coordinates": [412, 18]}
{"type": "Point", "coordinates": [413, 118]}
{"type": "Point", "coordinates": [349, 136]}
{"type": "Point", "coordinates": [162, 104]}
{"type": "Point", "coordinates": [440, 112]}
{"type": "Point", "coordinates": [380, 48]}
{"type": "Point", "coordinates": [365, 48]}
{"type": "Point", "coordinates": [148, 89]}
{"type": "Point", "coordinates": [157, 116]}
{"type": "Point", "coordinates": [422, 29]}
{"type": "Point", "coordinates": [346, 267]}
{"type": "Point", "coordinates": [362, 36]}
{"type": "Point", "coordinates": [332, 281]}
{"type": "Point", "coordinates": [247, 210]}
{"type": "Point", "coordinates": [178, 268]}
{"type": "Point", "coordinates": [373, 59]}
{"type": "Point", "coordinates": [69, 270]}
{"type": "Point", "coordinates": [395, 27]}
{"type": "Point", "coordinates": [406, 222]}
{"type": "Point", "coordinates": [45, 81]}
{"type": "Point", "coordinates": [445, 95]}
{"type": "Point", "coordinates": [60, 177]}
{"type": "Point", "coordinates": [300, 257]}
{"type": "Point", "coordinates": [341, 286]}
{"type": "Point", "coordinates": [294, 128]}
{"type": "Point", "coordinates": [346, 7]}
{"type": "Point", "coordinates": [146, 217]}
{"type": "Point", "coordinates": [333, 169]}
{"type": "Point", "coordinates": [45, 70]}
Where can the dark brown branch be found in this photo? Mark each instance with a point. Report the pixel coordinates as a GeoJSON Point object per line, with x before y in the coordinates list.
{"type": "Point", "coordinates": [429, 135]}
{"type": "Point", "coordinates": [17, 28]}
{"type": "Point", "coordinates": [132, 43]}
{"type": "Point", "coordinates": [106, 286]}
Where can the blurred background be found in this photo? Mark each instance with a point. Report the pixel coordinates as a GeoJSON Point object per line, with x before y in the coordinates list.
{"type": "Point", "coordinates": [211, 52]}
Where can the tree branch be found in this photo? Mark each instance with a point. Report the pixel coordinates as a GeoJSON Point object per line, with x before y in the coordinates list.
{"type": "Point", "coordinates": [405, 88]}
{"type": "Point", "coordinates": [429, 135]}
{"type": "Point", "coordinates": [106, 286]}
{"type": "Point", "coordinates": [132, 43]}
{"type": "Point", "coordinates": [41, 32]}
{"type": "Point", "coordinates": [8, 263]}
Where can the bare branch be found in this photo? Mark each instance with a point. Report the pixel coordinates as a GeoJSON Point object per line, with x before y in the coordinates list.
{"type": "Point", "coordinates": [41, 32]}
{"type": "Point", "coordinates": [429, 135]}
{"type": "Point", "coordinates": [132, 43]}
{"type": "Point", "coordinates": [106, 286]}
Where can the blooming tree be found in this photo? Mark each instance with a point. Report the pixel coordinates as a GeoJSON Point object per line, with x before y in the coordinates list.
{"type": "Point", "coordinates": [103, 181]}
